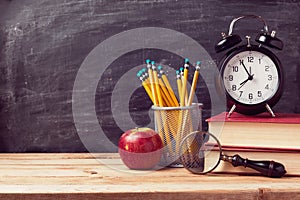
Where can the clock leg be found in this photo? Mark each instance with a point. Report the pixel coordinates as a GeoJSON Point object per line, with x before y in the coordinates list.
{"type": "Point", "coordinates": [270, 110]}
{"type": "Point", "coordinates": [231, 110]}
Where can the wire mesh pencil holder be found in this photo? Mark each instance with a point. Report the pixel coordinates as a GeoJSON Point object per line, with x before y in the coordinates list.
{"type": "Point", "coordinates": [173, 124]}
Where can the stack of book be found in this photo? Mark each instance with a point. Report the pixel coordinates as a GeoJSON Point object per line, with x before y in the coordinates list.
{"type": "Point", "coordinates": [259, 137]}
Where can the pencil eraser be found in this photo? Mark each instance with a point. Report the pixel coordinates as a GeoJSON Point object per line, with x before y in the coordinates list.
{"type": "Point", "coordinates": [138, 74]}
{"type": "Point", "coordinates": [152, 62]}
{"type": "Point", "coordinates": [177, 72]}
{"type": "Point", "coordinates": [181, 68]}
{"type": "Point", "coordinates": [186, 60]}
{"type": "Point", "coordinates": [198, 63]}
{"type": "Point", "coordinates": [148, 61]}
{"type": "Point", "coordinates": [159, 67]}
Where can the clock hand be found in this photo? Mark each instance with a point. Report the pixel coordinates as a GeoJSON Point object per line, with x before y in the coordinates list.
{"type": "Point", "coordinates": [249, 74]}
{"type": "Point", "coordinates": [245, 81]}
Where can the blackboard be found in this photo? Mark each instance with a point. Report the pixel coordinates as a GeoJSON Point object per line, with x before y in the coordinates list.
{"type": "Point", "coordinates": [43, 43]}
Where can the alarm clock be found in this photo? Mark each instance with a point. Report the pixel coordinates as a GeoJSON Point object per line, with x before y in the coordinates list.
{"type": "Point", "coordinates": [250, 74]}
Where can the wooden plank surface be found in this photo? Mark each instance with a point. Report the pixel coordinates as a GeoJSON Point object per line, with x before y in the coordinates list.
{"type": "Point", "coordinates": [103, 176]}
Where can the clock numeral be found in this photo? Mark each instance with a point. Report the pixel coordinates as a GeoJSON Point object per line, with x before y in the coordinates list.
{"type": "Point", "coordinates": [233, 87]}
{"type": "Point", "coordinates": [235, 68]}
{"type": "Point", "coordinates": [259, 93]}
{"type": "Point", "coordinates": [241, 92]}
{"type": "Point", "coordinates": [250, 96]}
{"type": "Point", "coordinates": [270, 77]}
{"type": "Point", "coordinates": [250, 59]}
{"type": "Point", "coordinates": [267, 68]}
{"type": "Point", "coordinates": [230, 78]}
{"type": "Point", "coordinates": [267, 87]}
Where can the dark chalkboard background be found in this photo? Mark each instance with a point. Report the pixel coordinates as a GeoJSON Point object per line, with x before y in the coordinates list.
{"type": "Point", "coordinates": [44, 42]}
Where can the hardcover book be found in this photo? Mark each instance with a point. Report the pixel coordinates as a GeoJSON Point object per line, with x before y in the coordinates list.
{"type": "Point", "coordinates": [263, 131]}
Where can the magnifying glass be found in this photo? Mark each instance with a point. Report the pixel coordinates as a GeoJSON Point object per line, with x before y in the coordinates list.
{"type": "Point", "coordinates": [201, 153]}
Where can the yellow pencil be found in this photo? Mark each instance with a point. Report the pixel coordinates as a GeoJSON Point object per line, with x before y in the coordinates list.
{"type": "Point", "coordinates": [184, 114]}
{"type": "Point", "coordinates": [188, 117]}
{"type": "Point", "coordinates": [171, 125]}
{"type": "Point", "coordinates": [184, 82]}
{"type": "Point", "coordinates": [158, 116]}
{"type": "Point", "coordinates": [194, 83]}
{"type": "Point", "coordinates": [161, 117]}
{"type": "Point", "coordinates": [168, 87]}
{"type": "Point", "coordinates": [151, 79]}
{"type": "Point", "coordinates": [145, 85]}
{"type": "Point", "coordinates": [179, 88]}
{"type": "Point", "coordinates": [179, 83]}
{"type": "Point", "coordinates": [181, 76]}
{"type": "Point", "coordinates": [156, 83]}
{"type": "Point", "coordinates": [165, 93]}
{"type": "Point", "coordinates": [146, 79]}
{"type": "Point", "coordinates": [148, 90]}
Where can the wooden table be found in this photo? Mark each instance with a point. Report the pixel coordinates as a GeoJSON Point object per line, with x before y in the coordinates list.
{"type": "Point", "coordinates": [81, 176]}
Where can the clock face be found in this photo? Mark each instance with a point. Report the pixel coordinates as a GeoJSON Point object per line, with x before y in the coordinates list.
{"type": "Point", "coordinates": [250, 77]}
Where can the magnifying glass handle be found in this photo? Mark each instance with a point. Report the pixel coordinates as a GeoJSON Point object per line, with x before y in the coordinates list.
{"type": "Point", "coordinates": [267, 168]}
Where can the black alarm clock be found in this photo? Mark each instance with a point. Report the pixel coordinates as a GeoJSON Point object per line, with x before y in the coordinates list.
{"type": "Point", "coordinates": [251, 75]}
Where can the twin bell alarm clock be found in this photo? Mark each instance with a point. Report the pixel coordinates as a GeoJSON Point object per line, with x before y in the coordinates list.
{"type": "Point", "coordinates": [250, 74]}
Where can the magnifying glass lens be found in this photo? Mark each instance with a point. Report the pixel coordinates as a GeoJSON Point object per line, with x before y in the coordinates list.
{"type": "Point", "coordinates": [200, 152]}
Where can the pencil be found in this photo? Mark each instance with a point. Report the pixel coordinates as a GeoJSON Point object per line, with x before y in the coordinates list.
{"type": "Point", "coordinates": [168, 86]}
{"type": "Point", "coordinates": [179, 112]}
{"type": "Point", "coordinates": [144, 84]}
{"type": "Point", "coordinates": [151, 79]}
{"type": "Point", "coordinates": [168, 125]}
{"type": "Point", "coordinates": [170, 122]}
{"type": "Point", "coordinates": [165, 94]}
{"type": "Point", "coordinates": [156, 83]}
{"type": "Point", "coordinates": [179, 83]}
{"type": "Point", "coordinates": [158, 116]}
{"type": "Point", "coordinates": [146, 79]}
{"type": "Point", "coordinates": [187, 117]}
{"type": "Point", "coordinates": [194, 83]}
{"type": "Point", "coordinates": [185, 78]}
{"type": "Point", "coordinates": [162, 119]}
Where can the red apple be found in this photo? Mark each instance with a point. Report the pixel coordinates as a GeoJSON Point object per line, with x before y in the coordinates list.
{"type": "Point", "coordinates": [140, 148]}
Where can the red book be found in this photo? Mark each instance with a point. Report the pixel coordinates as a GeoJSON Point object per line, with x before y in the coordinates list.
{"type": "Point", "coordinates": [284, 118]}
{"type": "Point", "coordinates": [260, 131]}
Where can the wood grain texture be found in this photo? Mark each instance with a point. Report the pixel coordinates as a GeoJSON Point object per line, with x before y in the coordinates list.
{"type": "Point", "coordinates": [81, 176]}
{"type": "Point", "coordinates": [44, 42]}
